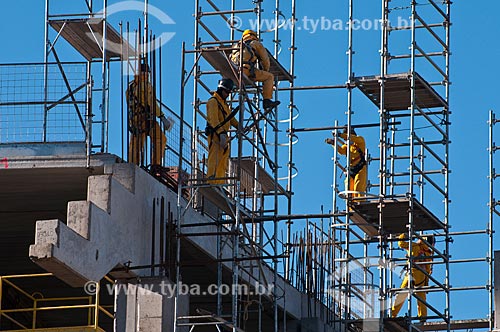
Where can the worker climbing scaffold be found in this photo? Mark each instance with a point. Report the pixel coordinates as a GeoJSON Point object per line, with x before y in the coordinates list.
{"type": "Point", "coordinates": [419, 276]}
{"type": "Point", "coordinates": [254, 55]}
{"type": "Point", "coordinates": [219, 121]}
{"type": "Point", "coordinates": [143, 109]}
{"type": "Point", "coordinates": [357, 178]}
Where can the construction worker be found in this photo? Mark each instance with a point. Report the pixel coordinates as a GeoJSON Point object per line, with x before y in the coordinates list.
{"type": "Point", "coordinates": [421, 252]}
{"type": "Point", "coordinates": [356, 179]}
{"type": "Point", "coordinates": [142, 110]}
{"type": "Point", "coordinates": [219, 121]}
{"type": "Point", "coordinates": [254, 51]}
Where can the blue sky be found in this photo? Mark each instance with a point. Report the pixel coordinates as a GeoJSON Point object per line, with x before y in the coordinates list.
{"type": "Point", "coordinates": [321, 60]}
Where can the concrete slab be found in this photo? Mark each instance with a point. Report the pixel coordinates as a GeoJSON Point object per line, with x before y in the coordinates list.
{"type": "Point", "coordinates": [114, 225]}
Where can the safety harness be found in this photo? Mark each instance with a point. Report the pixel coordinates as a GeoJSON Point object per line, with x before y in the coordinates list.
{"type": "Point", "coordinates": [209, 130]}
{"type": "Point", "coordinates": [422, 253]}
{"type": "Point", "coordinates": [354, 170]}
{"type": "Point", "coordinates": [139, 115]}
{"type": "Point", "coordinates": [249, 56]}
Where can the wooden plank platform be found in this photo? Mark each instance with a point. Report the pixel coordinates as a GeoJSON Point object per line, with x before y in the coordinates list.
{"type": "Point", "coordinates": [221, 199]}
{"type": "Point", "coordinates": [395, 214]}
{"type": "Point", "coordinates": [397, 92]}
{"type": "Point", "coordinates": [217, 197]}
{"type": "Point", "coordinates": [265, 180]}
{"type": "Point", "coordinates": [219, 60]}
{"type": "Point", "coordinates": [85, 35]}
{"type": "Point", "coordinates": [278, 70]}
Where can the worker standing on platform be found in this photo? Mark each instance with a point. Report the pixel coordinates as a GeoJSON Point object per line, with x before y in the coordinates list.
{"type": "Point", "coordinates": [219, 121]}
{"type": "Point", "coordinates": [254, 51]}
{"type": "Point", "coordinates": [421, 253]}
{"type": "Point", "coordinates": [143, 108]}
{"type": "Point", "coordinates": [357, 177]}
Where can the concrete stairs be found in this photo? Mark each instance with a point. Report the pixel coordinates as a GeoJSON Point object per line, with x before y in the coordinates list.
{"type": "Point", "coordinates": [113, 228]}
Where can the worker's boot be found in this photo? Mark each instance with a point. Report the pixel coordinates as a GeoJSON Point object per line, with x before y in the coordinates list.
{"type": "Point", "coordinates": [269, 104]}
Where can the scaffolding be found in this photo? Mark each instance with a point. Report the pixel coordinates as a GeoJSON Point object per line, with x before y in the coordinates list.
{"type": "Point", "coordinates": [349, 268]}
{"type": "Point", "coordinates": [345, 261]}
{"type": "Point", "coordinates": [346, 266]}
{"type": "Point", "coordinates": [89, 34]}
{"type": "Point", "coordinates": [413, 174]}
{"type": "Point", "coordinates": [65, 99]}
{"type": "Point", "coordinates": [407, 166]}
{"type": "Point", "coordinates": [99, 44]}
{"type": "Point", "coordinates": [245, 208]}
{"type": "Point", "coordinates": [66, 103]}
{"type": "Point", "coordinates": [493, 213]}
{"type": "Point", "coordinates": [418, 99]}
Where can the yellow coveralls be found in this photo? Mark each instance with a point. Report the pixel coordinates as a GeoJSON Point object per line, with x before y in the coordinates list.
{"type": "Point", "coordinates": [218, 157]}
{"type": "Point", "coordinates": [142, 121]}
{"type": "Point", "coordinates": [419, 278]}
{"type": "Point", "coordinates": [263, 75]}
{"type": "Point", "coordinates": [358, 146]}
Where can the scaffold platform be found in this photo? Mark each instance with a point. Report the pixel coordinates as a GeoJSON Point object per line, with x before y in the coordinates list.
{"type": "Point", "coordinates": [395, 215]}
{"type": "Point", "coordinates": [252, 172]}
{"type": "Point", "coordinates": [86, 35]}
{"type": "Point", "coordinates": [464, 324]}
{"type": "Point", "coordinates": [220, 198]}
{"type": "Point", "coordinates": [397, 91]}
{"type": "Point", "coordinates": [218, 58]}
{"type": "Point", "coordinates": [402, 324]}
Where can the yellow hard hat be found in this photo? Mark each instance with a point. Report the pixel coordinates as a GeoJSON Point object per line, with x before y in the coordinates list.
{"type": "Point", "coordinates": [249, 32]}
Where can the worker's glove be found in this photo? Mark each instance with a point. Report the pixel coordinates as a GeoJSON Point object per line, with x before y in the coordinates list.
{"type": "Point", "coordinates": [329, 141]}
{"type": "Point", "coordinates": [223, 140]}
{"type": "Point", "coordinates": [168, 123]}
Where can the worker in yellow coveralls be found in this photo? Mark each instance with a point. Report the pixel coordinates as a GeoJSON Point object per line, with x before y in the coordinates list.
{"type": "Point", "coordinates": [219, 121]}
{"type": "Point", "coordinates": [143, 109]}
{"type": "Point", "coordinates": [357, 177]}
{"type": "Point", "coordinates": [254, 54]}
{"type": "Point", "coordinates": [420, 279]}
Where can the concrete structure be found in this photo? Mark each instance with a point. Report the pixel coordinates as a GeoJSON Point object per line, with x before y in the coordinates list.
{"type": "Point", "coordinates": [112, 228]}
{"type": "Point", "coordinates": [140, 256]}
{"type": "Point", "coordinates": [147, 307]}
{"type": "Point", "coordinates": [87, 223]}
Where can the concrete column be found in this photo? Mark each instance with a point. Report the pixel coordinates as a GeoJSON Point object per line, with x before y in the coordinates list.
{"type": "Point", "coordinates": [147, 306]}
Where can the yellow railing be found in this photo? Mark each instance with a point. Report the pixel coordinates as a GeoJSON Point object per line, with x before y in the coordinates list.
{"type": "Point", "coordinates": [42, 304]}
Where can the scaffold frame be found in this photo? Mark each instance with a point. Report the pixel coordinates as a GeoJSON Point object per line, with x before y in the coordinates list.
{"type": "Point", "coordinates": [344, 261]}
{"type": "Point", "coordinates": [258, 131]}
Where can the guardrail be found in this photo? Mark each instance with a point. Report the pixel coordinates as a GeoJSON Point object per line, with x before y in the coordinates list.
{"type": "Point", "coordinates": [26, 311]}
